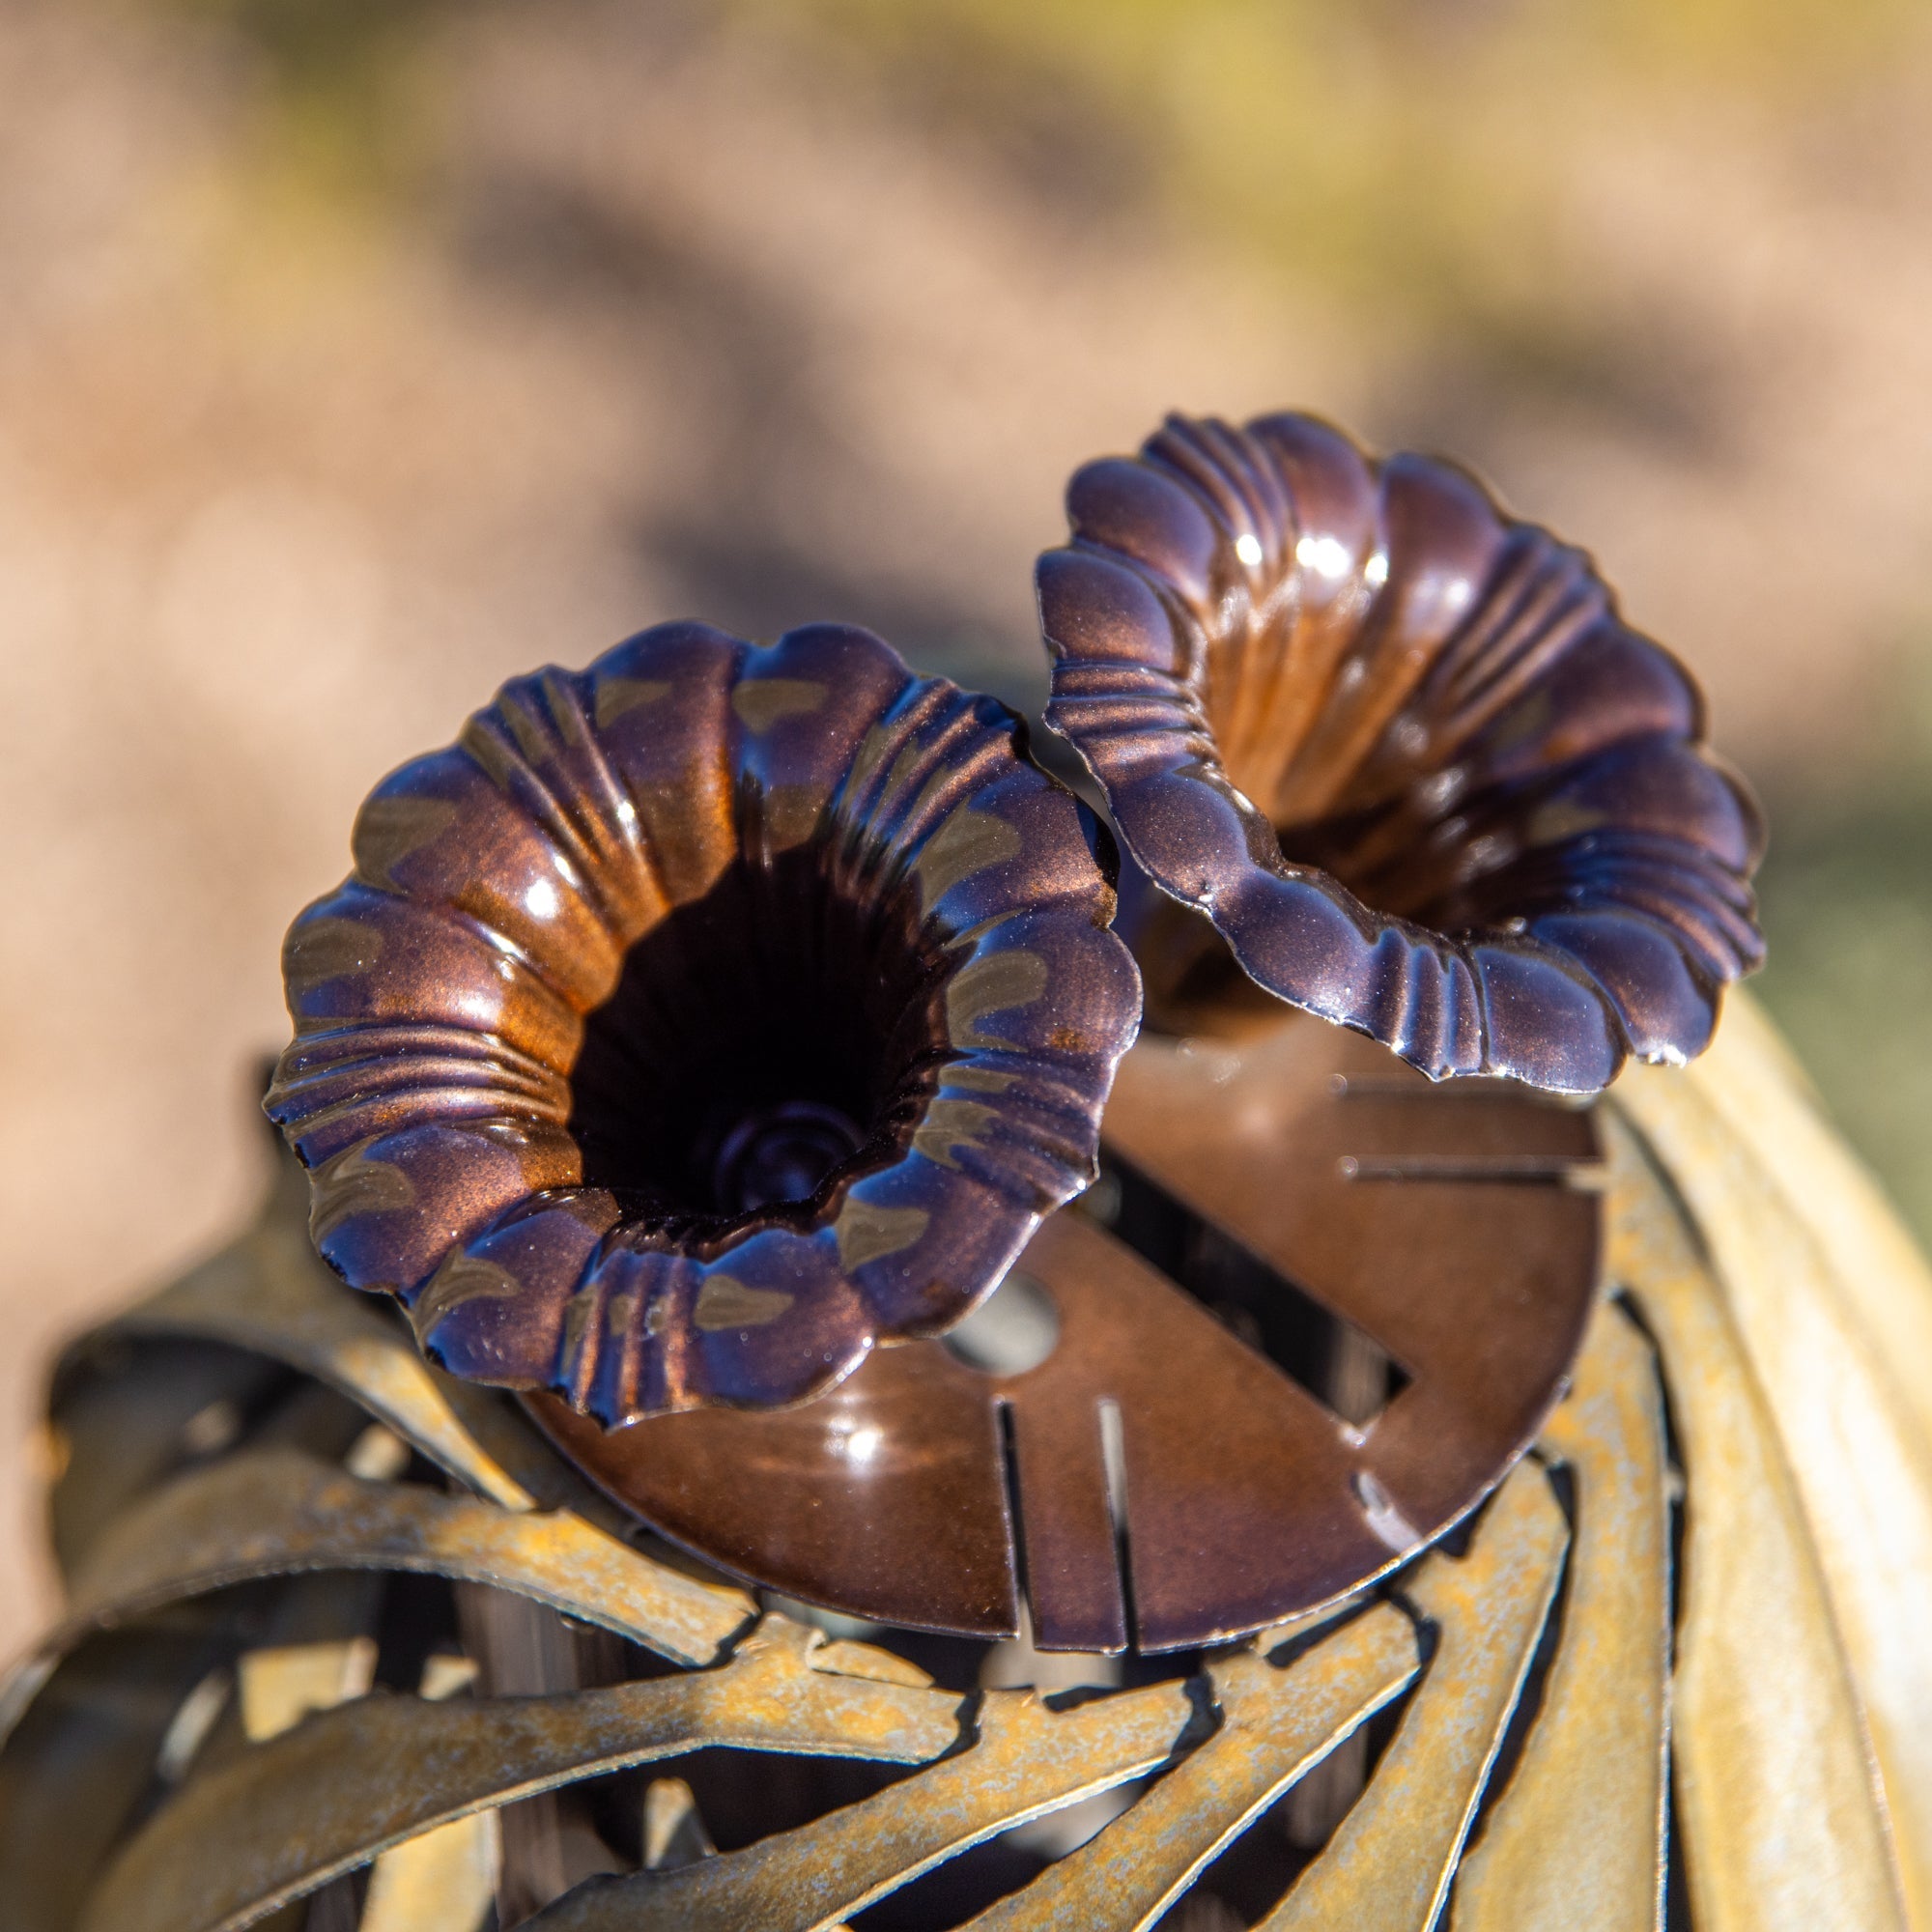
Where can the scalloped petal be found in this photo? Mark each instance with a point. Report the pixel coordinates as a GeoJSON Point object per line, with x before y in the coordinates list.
{"type": "Point", "coordinates": [1401, 750]}
{"type": "Point", "coordinates": [441, 997]}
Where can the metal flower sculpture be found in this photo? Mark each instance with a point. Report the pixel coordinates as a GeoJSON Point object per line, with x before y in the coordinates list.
{"type": "Point", "coordinates": [697, 1021]}
{"type": "Point", "coordinates": [1463, 1510]}
{"type": "Point", "coordinates": [1403, 751]}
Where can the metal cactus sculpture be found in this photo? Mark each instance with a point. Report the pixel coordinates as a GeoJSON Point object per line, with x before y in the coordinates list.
{"type": "Point", "coordinates": [845, 1434]}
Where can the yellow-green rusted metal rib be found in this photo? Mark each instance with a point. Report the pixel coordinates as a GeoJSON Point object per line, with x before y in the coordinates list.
{"type": "Point", "coordinates": [279, 1819]}
{"type": "Point", "coordinates": [1392, 1858]}
{"type": "Point", "coordinates": [1275, 1725]}
{"type": "Point", "coordinates": [268, 1512]}
{"type": "Point", "coordinates": [1544, 1861]}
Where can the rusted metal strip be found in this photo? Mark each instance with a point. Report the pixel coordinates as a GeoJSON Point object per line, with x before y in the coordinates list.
{"type": "Point", "coordinates": [268, 1293]}
{"type": "Point", "coordinates": [1028, 1761]}
{"type": "Point", "coordinates": [86, 1755]}
{"type": "Point", "coordinates": [1776, 1802]}
{"type": "Point", "coordinates": [1549, 1859]}
{"type": "Point", "coordinates": [273, 1510]}
{"type": "Point", "coordinates": [283, 1817]}
{"type": "Point", "coordinates": [1855, 1428]}
{"type": "Point", "coordinates": [1391, 1859]}
{"type": "Point", "coordinates": [1274, 1725]}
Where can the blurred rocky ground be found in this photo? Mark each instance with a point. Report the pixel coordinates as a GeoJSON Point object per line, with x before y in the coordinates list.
{"type": "Point", "coordinates": [355, 354]}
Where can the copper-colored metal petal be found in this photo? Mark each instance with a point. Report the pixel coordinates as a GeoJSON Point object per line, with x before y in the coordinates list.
{"type": "Point", "coordinates": [1403, 751]}
{"type": "Point", "coordinates": [633, 913]}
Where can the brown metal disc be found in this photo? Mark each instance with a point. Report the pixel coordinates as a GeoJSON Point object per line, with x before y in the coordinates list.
{"type": "Point", "coordinates": [1418, 1262]}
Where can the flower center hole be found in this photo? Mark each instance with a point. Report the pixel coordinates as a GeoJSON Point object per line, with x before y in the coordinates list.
{"type": "Point", "coordinates": [782, 1152]}
{"type": "Point", "coordinates": [762, 1041]}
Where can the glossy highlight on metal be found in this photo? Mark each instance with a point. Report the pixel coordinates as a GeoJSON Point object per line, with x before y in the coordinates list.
{"type": "Point", "coordinates": [698, 1020]}
{"type": "Point", "coordinates": [1402, 750]}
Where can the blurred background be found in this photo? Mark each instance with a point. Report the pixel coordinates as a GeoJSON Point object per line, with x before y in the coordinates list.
{"type": "Point", "coordinates": [355, 354]}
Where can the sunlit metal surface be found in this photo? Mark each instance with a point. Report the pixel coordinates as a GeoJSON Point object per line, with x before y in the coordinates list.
{"type": "Point", "coordinates": [445, 1879]}
{"type": "Point", "coordinates": [702, 1019]}
{"type": "Point", "coordinates": [269, 1294]}
{"type": "Point", "coordinates": [1392, 1858]}
{"type": "Point", "coordinates": [1275, 1723]}
{"type": "Point", "coordinates": [1515, 1779]}
{"type": "Point", "coordinates": [259, 1830]}
{"type": "Point", "coordinates": [1403, 751]}
{"type": "Point", "coordinates": [1548, 1863]}
{"type": "Point", "coordinates": [1851, 1411]}
{"type": "Point", "coordinates": [1781, 1820]}
{"type": "Point", "coordinates": [1027, 1760]}
{"type": "Point", "coordinates": [270, 1512]}
{"type": "Point", "coordinates": [1440, 1245]}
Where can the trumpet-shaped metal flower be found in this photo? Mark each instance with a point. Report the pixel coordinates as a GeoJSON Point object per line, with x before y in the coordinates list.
{"type": "Point", "coordinates": [1402, 750]}
{"type": "Point", "coordinates": [700, 1019]}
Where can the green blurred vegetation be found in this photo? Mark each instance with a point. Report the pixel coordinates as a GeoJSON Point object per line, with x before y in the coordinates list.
{"type": "Point", "coordinates": [1405, 154]}
{"type": "Point", "coordinates": [346, 113]}
{"type": "Point", "coordinates": [1410, 158]}
{"type": "Point", "coordinates": [1848, 914]}
{"type": "Point", "coordinates": [1400, 149]}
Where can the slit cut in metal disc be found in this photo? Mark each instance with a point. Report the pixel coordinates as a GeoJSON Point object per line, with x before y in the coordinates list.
{"type": "Point", "coordinates": [1314, 1309]}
